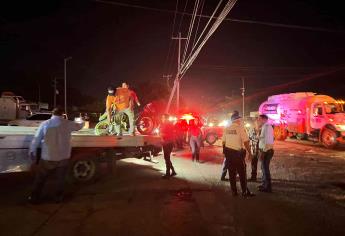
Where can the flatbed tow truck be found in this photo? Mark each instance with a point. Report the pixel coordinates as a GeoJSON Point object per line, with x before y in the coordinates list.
{"type": "Point", "coordinates": [88, 150]}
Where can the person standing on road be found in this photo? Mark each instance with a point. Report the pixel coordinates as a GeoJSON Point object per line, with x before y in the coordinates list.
{"type": "Point", "coordinates": [225, 165]}
{"type": "Point", "coordinates": [195, 138]}
{"type": "Point", "coordinates": [266, 140]}
{"type": "Point", "coordinates": [254, 133]}
{"type": "Point", "coordinates": [168, 134]}
{"type": "Point", "coordinates": [235, 139]}
{"type": "Point", "coordinates": [53, 137]}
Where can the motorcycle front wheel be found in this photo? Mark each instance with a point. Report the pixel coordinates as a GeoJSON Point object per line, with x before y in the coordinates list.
{"type": "Point", "coordinates": [101, 128]}
{"type": "Point", "coordinates": [145, 125]}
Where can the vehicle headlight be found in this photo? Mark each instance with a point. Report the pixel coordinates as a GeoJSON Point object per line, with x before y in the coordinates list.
{"type": "Point", "coordinates": [78, 120]}
{"type": "Point", "coordinates": [224, 123]}
{"type": "Point", "coordinates": [172, 118]}
{"type": "Point", "coordinates": [340, 127]}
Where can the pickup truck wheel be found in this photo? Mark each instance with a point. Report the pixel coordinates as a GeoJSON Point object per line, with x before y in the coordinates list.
{"type": "Point", "coordinates": [211, 138]}
{"type": "Point", "coordinates": [329, 138]}
{"type": "Point", "coordinates": [84, 170]}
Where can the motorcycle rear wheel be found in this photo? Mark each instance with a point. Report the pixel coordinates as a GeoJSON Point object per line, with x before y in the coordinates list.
{"type": "Point", "coordinates": [145, 125]}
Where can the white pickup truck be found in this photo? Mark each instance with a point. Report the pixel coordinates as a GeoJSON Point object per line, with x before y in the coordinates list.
{"type": "Point", "coordinates": [88, 150]}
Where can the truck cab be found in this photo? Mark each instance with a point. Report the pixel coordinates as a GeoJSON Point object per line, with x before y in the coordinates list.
{"type": "Point", "coordinates": [328, 119]}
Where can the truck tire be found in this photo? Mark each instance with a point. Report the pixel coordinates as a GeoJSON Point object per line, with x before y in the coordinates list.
{"type": "Point", "coordinates": [211, 138]}
{"type": "Point", "coordinates": [279, 133]}
{"type": "Point", "coordinates": [329, 138]}
{"type": "Point", "coordinates": [84, 170]}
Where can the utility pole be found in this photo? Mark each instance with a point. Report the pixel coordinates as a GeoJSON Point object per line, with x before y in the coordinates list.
{"type": "Point", "coordinates": [65, 78]}
{"type": "Point", "coordinates": [177, 77]}
{"type": "Point", "coordinates": [243, 90]}
{"type": "Point", "coordinates": [54, 85]}
{"type": "Point", "coordinates": [39, 96]}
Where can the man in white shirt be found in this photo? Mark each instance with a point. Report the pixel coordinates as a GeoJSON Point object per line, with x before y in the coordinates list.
{"type": "Point", "coordinates": [54, 138]}
{"type": "Point", "coordinates": [235, 139]}
{"type": "Point", "coordinates": [266, 140]}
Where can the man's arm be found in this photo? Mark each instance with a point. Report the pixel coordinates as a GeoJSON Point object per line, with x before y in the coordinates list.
{"type": "Point", "coordinates": [135, 98]}
{"type": "Point", "coordinates": [268, 138]}
{"type": "Point", "coordinates": [247, 147]}
{"type": "Point", "coordinates": [35, 143]}
{"type": "Point", "coordinates": [223, 137]}
{"type": "Point", "coordinates": [245, 140]}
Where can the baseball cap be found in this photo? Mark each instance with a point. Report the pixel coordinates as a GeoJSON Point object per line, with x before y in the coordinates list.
{"type": "Point", "coordinates": [235, 116]}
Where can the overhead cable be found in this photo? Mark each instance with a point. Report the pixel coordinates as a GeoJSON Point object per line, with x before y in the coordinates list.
{"type": "Point", "coordinates": [264, 23]}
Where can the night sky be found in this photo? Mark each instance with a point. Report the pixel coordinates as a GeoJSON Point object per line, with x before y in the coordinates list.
{"type": "Point", "coordinates": [110, 43]}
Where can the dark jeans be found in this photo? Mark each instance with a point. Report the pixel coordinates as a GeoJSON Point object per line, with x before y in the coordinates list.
{"type": "Point", "coordinates": [237, 166]}
{"type": "Point", "coordinates": [265, 158]}
{"type": "Point", "coordinates": [225, 167]}
{"type": "Point", "coordinates": [167, 149]}
{"type": "Point", "coordinates": [45, 169]}
{"type": "Point", "coordinates": [254, 164]}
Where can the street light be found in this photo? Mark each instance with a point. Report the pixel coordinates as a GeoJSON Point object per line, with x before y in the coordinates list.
{"type": "Point", "coordinates": [65, 78]}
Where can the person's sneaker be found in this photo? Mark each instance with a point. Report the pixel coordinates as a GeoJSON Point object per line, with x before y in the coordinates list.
{"type": "Point", "coordinates": [224, 179]}
{"type": "Point", "coordinates": [173, 174]}
{"type": "Point", "coordinates": [248, 194]}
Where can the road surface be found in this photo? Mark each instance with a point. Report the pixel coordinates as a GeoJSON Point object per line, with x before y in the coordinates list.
{"type": "Point", "coordinates": [308, 199]}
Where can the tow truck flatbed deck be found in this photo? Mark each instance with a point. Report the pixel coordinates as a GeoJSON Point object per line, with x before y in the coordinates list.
{"type": "Point", "coordinates": [21, 137]}
{"type": "Point", "coordinates": [15, 142]}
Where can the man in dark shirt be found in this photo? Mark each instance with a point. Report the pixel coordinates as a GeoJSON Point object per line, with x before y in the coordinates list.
{"type": "Point", "coordinates": [168, 133]}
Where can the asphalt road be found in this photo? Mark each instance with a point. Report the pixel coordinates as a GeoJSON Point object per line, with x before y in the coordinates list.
{"type": "Point", "coordinates": [308, 199]}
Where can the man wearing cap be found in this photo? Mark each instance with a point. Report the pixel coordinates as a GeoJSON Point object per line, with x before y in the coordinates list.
{"type": "Point", "coordinates": [226, 165]}
{"type": "Point", "coordinates": [235, 139]}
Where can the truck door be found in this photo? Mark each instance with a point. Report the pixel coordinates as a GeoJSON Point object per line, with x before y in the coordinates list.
{"type": "Point", "coordinates": [317, 117]}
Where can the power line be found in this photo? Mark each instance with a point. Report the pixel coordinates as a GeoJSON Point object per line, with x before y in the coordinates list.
{"type": "Point", "coordinates": [170, 70]}
{"type": "Point", "coordinates": [264, 23]}
{"type": "Point", "coordinates": [172, 33]}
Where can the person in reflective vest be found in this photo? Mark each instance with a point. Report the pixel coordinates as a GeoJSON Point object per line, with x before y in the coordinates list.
{"type": "Point", "coordinates": [235, 143]}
